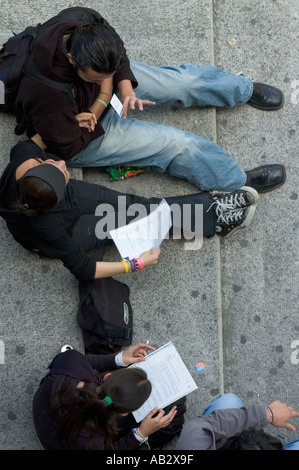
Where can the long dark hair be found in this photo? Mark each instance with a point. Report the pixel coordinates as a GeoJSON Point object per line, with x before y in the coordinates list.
{"type": "Point", "coordinates": [77, 409]}
{"type": "Point", "coordinates": [96, 46]}
{"type": "Point", "coordinates": [36, 197]}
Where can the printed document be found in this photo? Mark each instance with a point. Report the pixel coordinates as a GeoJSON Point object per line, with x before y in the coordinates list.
{"type": "Point", "coordinates": [144, 234]}
{"type": "Point", "coordinates": [169, 377]}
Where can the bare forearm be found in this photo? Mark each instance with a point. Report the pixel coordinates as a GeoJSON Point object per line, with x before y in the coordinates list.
{"type": "Point", "coordinates": [107, 269]}
{"type": "Point", "coordinates": [103, 98]}
{"type": "Point", "coordinates": [125, 89]}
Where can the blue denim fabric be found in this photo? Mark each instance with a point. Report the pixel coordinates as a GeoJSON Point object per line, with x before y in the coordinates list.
{"type": "Point", "coordinates": [291, 445]}
{"type": "Point", "coordinates": [230, 400]}
{"type": "Point", "coordinates": [166, 148]}
{"type": "Point", "coordinates": [224, 402]}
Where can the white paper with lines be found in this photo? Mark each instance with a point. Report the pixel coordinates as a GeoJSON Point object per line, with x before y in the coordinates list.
{"type": "Point", "coordinates": [169, 377]}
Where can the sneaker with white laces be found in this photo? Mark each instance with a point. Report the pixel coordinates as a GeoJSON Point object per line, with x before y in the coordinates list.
{"type": "Point", "coordinates": [243, 197]}
{"type": "Point", "coordinates": [229, 221]}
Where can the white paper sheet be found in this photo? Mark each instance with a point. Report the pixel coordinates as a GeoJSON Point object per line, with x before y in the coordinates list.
{"type": "Point", "coordinates": [169, 377]}
{"type": "Point", "coordinates": [117, 105]}
{"type": "Point", "coordinates": [137, 237]}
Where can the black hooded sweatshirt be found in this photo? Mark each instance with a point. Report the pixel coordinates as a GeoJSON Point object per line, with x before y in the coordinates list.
{"type": "Point", "coordinates": [50, 112]}
{"type": "Point", "coordinates": [49, 235]}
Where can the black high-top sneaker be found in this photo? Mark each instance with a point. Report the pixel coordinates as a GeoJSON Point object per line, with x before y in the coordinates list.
{"type": "Point", "coordinates": [228, 221]}
{"type": "Point", "coordinates": [242, 197]}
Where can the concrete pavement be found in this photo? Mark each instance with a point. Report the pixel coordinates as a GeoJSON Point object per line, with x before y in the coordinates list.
{"type": "Point", "coordinates": [232, 305]}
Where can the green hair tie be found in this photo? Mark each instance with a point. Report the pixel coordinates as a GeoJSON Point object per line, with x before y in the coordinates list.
{"type": "Point", "coordinates": [108, 400]}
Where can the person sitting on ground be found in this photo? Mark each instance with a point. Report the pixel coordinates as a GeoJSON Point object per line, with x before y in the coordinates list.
{"type": "Point", "coordinates": [88, 132]}
{"type": "Point", "coordinates": [227, 424]}
{"type": "Point", "coordinates": [86, 403]}
{"type": "Point", "coordinates": [55, 216]}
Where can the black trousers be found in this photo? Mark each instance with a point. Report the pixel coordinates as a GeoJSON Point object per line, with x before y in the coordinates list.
{"type": "Point", "coordinates": [94, 203]}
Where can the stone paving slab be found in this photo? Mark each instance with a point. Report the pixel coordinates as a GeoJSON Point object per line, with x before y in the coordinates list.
{"type": "Point", "coordinates": [232, 305]}
{"type": "Point", "coordinates": [260, 267]}
{"type": "Point", "coordinates": [167, 301]}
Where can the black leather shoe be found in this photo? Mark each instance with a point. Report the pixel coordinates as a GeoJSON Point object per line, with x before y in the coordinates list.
{"type": "Point", "coordinates": [266, 97]}
{"type": "Point", "coordinates": [266, 177]}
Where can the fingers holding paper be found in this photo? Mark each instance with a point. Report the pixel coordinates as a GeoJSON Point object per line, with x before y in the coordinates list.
{"type": "Point", "coordinates": [151, 257]}
{"type": "Point", "coordinates": [136, 353]}
{"type": "Point", "coordinates": [155, 420]}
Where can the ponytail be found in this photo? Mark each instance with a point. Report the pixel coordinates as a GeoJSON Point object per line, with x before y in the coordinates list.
{"type": "Point", "coordinates": [98, 408]}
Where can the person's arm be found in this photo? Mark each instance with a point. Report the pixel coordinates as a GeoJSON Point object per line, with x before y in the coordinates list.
{"type": "Point", "coordinates": [107, 269]}
{"type": "Point", "coordinates": [129, 99]}
{"type": "Point", "coordinates": [131, 355]}
{"type": "Point", "coordinates": [63, 130]}
{"type": "Point", "coordinates": [278, 414]}
{"type": "Point", "coordinates": [103, 98]}
{"type": "Point", "coordinates": [212, 431]}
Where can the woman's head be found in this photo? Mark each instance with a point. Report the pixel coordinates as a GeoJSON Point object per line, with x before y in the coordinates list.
{"type": "Point", "coordinates": [99, 409]}
{"type": "Point", "coordinates": [43, 187]}
{"type": "Point", "coordinates": [127, 388]}
{"type": "Point", "coordinates": [95, 48]}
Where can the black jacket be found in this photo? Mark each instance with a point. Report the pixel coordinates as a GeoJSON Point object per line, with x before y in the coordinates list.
{"type": "Point", "coordinates": [66, 370]}
{"type": "Point", "coordinates": [49, 234]}
{"type": "Point", "coordinates": [52, 112]}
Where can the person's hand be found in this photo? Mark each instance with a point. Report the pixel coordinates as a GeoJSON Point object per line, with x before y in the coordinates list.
{"type": "Point", "coordinates": [150, 257]}
{"type": "Point", "coordinates": [135, 353]}
{"type": "Point", "coordinates": [130, 102]}
{"type": "Point", "coordinates": [87, 120]}
{"type": "Point", "coordinates": [281, 414]}
{"type": "Point", "coordinates": [155, 420]}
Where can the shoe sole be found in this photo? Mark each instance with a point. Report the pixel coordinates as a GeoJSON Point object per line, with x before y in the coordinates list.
{"type": "Point", "coordinates": [246, 223]}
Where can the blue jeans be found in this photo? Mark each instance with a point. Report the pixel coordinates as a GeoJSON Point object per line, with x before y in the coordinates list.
{"type": "Point", "coordinates": [230, 400]}
{"type": "Point", "coordinates": [165, 148]}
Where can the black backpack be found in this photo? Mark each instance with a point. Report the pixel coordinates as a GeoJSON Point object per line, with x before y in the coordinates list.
{"type": "Point", "coordinates": [14, 61]}
{"type": "Point", "coordinates": [105, 314]}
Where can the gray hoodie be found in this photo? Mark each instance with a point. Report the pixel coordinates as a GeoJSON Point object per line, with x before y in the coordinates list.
{"type": "Point", "coordinates": [211, 432]}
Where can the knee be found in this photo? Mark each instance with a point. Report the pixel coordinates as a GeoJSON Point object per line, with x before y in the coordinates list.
{"type": "Point", "coordinates": [232, 400]}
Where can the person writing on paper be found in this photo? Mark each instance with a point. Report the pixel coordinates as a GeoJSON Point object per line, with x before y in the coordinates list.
{"type": "Point", "coordinates": [55, 216]}
{"type": "Point", "coordinates": [81, 406]}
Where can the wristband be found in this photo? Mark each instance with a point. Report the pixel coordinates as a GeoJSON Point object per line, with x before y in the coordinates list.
{"type": "Point", "coordinates": [139, 436]}
{"type": "Point", "coordinates": [119, 360]}
{"type": "Point", "coordinates": [104, 93]}
{"type": "Point", "coordinates": [103, 102]}
{"type": "Point", "coordinates": [127, 269]}
{"type": "Point", "coordinates": [140, 263]}
{"type": "Point", "coordinates": [272, 415]}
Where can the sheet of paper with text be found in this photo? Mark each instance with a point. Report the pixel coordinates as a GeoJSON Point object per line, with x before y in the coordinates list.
{"type": "Point", "coordinates": [141, 235]}
{"type": "Point", "coordinates": [169, 377]}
